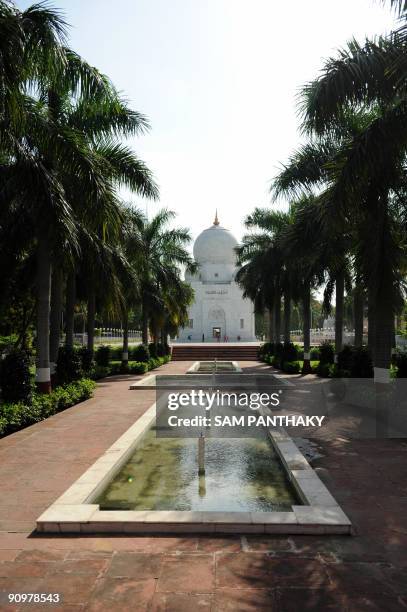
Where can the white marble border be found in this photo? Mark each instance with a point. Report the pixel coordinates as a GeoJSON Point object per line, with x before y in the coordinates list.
{"type": "Point", "coordinates": [75, 512]}
{"type": "Point", "coordinates": [195, 367]}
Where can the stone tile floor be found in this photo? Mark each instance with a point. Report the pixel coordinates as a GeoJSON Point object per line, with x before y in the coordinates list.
{"type": "Point", "coordinates": [366, 572]}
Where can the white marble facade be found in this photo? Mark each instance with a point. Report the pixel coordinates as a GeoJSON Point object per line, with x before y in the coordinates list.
{"type": "Point", "coordinates": [219, 309]}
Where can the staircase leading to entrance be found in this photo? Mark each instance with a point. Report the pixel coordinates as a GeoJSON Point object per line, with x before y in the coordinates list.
{"type": "Point", "coordinates": [204, 352]}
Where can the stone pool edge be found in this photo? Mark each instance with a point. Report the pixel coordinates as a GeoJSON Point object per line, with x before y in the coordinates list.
{"type": "Point", "coordinates": [74, 512]}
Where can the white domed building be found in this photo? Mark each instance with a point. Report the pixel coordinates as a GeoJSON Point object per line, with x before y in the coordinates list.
{"type": "Point", "coordinates": [219, 311]}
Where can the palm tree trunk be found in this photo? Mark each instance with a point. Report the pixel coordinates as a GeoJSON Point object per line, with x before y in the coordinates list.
{"type": "Point", "coordinates": [306, 316]}
{"type": "Point", "coordinates": [358, 315]}
{"type": "Point", "coordinates": [287, 316]}
{"type": "Point", "coordinates": [144, 317]}
{"type": "Point", "coordinates": [339, 295]}
{"type": "Point", "coordinates": [43, 283]}
{"type": "Point", "coordinates": [91, 320]}
{"type": "Point", "coordinates": [277, 317]}
{"type": "Point", "coordinates": [371, 318]}
{"type": "Point", "coordinates": [383, 334]}
{"type": "Point", "coordinates": [56, 316]}
{"type": "Point", "coordinates": [125, 351]}
{"type": "Point", "coordinates": [70, 309]}
{"type": "Point", "coordinates": [270, 317]}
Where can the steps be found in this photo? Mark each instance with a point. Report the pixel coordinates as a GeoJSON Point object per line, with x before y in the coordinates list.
{"type": "Point", "coordinates": [205, 352]}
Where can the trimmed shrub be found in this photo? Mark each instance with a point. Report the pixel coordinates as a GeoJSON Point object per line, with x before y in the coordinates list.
{"type": "Point", "coordinates": [323, 369]}
{"type": "Point", "coordinates": [291, 367]}
{"type": "Point", "coordinates": [115, 368]}
{"type": "Point", "coordinates": [153, 363]}
{"type": "Point", "coordinates": [116, 353]}
{"type": "Point", "coordinates": [86, 356]}
{"type": "Point", "coordinates": [278, 349]}
{"type": "Point", "coordinates": [140, 353]}
{"type": "Point", "coordinates": [100, 372]}
{"type": "Point", "coordinates": [15, 377]}
{"type": "Point", "coordinates": [401, 363]}
{"type": "Point", "coordinates": [161, 351]}
{"type": "Point", "coordinates": [361, 366]}
{"type": "Point", "coordinates": [138, 367]}
{"type": "Point", "coordinates": [326, 353]}
{"type": "Point", "coordinates": [15, 416]}
{"type": "Point", "coordinates": [290, 352]}
{"type": "Point", "coordinates": [274, 361]}
{"type": "Point", "coordinates": [69, 365]}
{"type": "Point", "coordinates": [345, 358]}
{"type": "Point", "coordinates": [265, 350]}
{"type": "Point", "coordinates": [338, 372]}
{"type": "Point", "coordinates": [153, 350]}
{"type": "Point", "coordinates": [314, 353]}
{"type": "Point", "coordinates": [102, 356]}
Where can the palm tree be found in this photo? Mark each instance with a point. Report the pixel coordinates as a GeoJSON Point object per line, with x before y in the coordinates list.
{"type": "Point", "coordinates": [157, 254]}
{"type": "Point", "coordinates": [58, 145]}
{"type": "Point", "coordinates": [368, 174]}
{"type": "Point", "coordinates": [307, 172]}
{"type": "Point", "coordinates": [300, 246]}
{"type": "Point", "coordinates": [263, 273]}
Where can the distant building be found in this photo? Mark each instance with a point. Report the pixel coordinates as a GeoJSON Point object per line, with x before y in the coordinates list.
{"type": "Point", "coordinates": [219, 311]}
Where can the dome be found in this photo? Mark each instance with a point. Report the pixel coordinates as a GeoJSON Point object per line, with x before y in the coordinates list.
{"type": "Point", "coordinates": [215, 245]}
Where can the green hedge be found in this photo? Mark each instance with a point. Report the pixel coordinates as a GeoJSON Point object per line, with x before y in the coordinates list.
{"type": "Point", "coordinates": [133, 367]}
{"type": "Point", "coordinates": [15, 416]}
{"type": "Point", "coordinates": [15, 377]}
{"type": "Point", "coordinates": [291, 367]}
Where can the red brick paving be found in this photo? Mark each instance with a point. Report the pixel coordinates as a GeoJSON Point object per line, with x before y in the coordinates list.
{"type": "Point", "coordinates": [196, 573]}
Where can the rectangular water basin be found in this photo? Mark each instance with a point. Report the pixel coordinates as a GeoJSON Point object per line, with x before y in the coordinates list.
{"type": "Point", "coordinates": [145, 485]}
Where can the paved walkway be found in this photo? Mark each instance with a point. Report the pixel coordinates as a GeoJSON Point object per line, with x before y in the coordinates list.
{"type": "Point", "coordinates": [365, 572]}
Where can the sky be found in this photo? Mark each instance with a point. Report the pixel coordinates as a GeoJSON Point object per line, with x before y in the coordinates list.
{"type": "Point", "coordinates": [218, 80]}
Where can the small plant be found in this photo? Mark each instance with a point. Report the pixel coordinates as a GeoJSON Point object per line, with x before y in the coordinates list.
{"type": "Point", "coordinates": [291, 367]}
{"type": "Point", "coordinates": [140, 353]}
{"type": "Point", "coordinates": [69, 365]}
{"type": "Point", "coordinates": [102, 356]}
{"type": "Point", "coordinates": [138, 367]}
{"type": "Point", "coordinates": [15, 378]}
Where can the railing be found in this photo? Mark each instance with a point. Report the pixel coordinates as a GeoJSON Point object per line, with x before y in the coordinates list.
{"type": "Point", "coordinates": [109, 336]}
{"type": "Point", "coordinates": [322, 335]}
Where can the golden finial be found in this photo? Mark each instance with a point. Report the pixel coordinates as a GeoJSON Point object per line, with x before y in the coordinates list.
{"type": "Point", "coordinates": [216, 222]}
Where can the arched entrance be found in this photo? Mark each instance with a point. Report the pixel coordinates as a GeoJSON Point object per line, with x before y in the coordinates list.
{"type": "Point", "coordinates": [216, 323]}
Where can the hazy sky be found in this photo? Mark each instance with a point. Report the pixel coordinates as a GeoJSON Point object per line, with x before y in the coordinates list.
{"type": "Point", "coordinates": [218, 80]}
